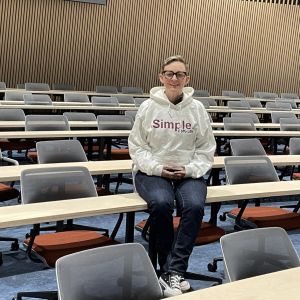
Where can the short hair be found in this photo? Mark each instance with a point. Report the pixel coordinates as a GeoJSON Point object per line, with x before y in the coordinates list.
{"type": "Point", "coordinates": [172, 59]}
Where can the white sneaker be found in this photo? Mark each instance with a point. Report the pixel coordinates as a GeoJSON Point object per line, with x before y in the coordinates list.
{"type": "Point", "coordinates": [184, 284]}
{"type": "Point", "coordinates": [170, 283]}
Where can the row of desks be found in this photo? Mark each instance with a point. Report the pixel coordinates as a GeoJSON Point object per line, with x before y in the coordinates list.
{"type": "Point", "coordinates": [12, 173]}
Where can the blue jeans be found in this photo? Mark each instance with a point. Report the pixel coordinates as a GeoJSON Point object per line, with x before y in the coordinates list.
{"type": "Point", "coordinates": [173, 250]}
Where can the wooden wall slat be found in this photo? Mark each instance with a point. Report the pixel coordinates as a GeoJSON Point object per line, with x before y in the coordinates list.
{"type": "Point", "coordinates": [241, 45]}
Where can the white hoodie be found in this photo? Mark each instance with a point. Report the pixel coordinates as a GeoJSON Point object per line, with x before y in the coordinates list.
{"type": "Point", "coordinates": [165, 134]}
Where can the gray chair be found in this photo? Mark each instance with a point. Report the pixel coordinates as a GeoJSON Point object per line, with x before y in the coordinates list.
{"type": "Point", "coordinates": [265, 95]}
{"type": "Point", "coordinates": [289, 96]}
{"type": "Point", "coordinates": [246, 147]}
{"type": "Point", "coordinates": [290, 101]}
{"type": "Point", "coordinates": [248, 115]}
{"type": "Point", "coordinates": [73, 97]}
{"type": "Point", "coordinates": [256, 252]}
{"type": "Point", "coordinates": [105, 101]}
{"type": "Point", "coordinates": [211, 101]}
{"type": "Point", "coordinates": [116, 272]}
{"type": "Point", "coordinates": [232, 94]}
{"type": "Point", "coordinates": [60, 151]}
{"type": "Point", "coordinates": [80, 116]}
{"type": "Point", "coordinates": [255, 103]}
{"type": "Point", "coordinates": [201, 93]}
{"type": "Point", "coordinates": [56, 184]}
{"type": "Point", "coordinates": [235, 123]}
{"type": "Point", "coordinates": [276, 116]}
{"type": "Point", "coordinates": [132, 90]}
{"type": "Point", "coordinates": [106, 89]}
{"type": "Point", "coordinates": [37, 99]}
{"type": "Point", "coordinates": [131, 114]}
{"type": "Point", "coordinates": [12, 114]}
{"type": "Point", "coordinates": [256, 169]}
{"type": "Point", "coordinates": [235, 104]}
{"type": "Point", "coordinates": [15, 96]}
{"type": "Point", "coordinates": [125, 99]}
{"type": "Point", "coordinates": [21, 86]}
{"type": "Point", "coordinates": [278, 106]}
{"type": "Point", "coordinates": [46, 123]}
{"type": "Point", "coordinates": [294, 149]}
{"type": "Point", "coordinates": [204, 102]}
{"type": "Point", "coordinates": [139, 101]}
{"type": "Point", "coordinates": [63, 87]}
{"type": "Point", "coordinates": [32, 86]}
{"type": "Point", "coordinates": [2, 85]}
{"type": "Point", "coordinates": [289, 124]}
{"type": "Point", "coordinates": [114, 122]}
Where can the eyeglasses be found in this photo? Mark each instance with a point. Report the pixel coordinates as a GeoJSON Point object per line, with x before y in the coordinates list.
{"type": "Point", "coordinates": [170, 74]}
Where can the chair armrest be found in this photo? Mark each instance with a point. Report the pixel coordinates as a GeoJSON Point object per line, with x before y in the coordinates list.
{"type": "Point", "coordinates": [10, 160]}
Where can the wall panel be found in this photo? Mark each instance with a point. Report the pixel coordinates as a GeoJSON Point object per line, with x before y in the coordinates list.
{"type": "Point", "coordinates": [230, 44]}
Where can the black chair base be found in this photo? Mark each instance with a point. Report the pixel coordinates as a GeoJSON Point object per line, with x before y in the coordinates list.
{"type": "Point", "coordinates": [49, 295]}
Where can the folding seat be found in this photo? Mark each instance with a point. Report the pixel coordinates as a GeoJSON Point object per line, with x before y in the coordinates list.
{"type": "Point", "coordinates": [290, 101]}
{"type": "Point", "coordinates": [74, 97]}
{"type": "Point", "coordinates": [63, 87]}
{"type": "Point", "coordinates": [278, 106]}
{"type": "Point", "coordinates": [289, 96]}
{"type": "Point", "coordinates": [235, 123]}
{"type": "Point", "coordinates": [105, 101]}
{"type": "Point", "coordinates": [125, 100]}
{"type": "Point", "coordinates": [233, 94]}
{"type": "Point", "coordinates": [235, 104]}
{"type": "Point", "coordinates": [201, 93]}
{"type": "Point", "coordinates": [37, 99]}
{"type": "Point", "coordinates": [15, 96]}
{"type": "Point", "coordinates": [106, 89]}
{"type": "Point", "coordinates": [139, 101]}
{"type": "Point", "coordinates": [132, 90]}
{"type": "Point", "coordinates": [36, 86]}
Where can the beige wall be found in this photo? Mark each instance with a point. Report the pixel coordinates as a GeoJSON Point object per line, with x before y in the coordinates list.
{"type": "Point", "coordinates": [230, 44]}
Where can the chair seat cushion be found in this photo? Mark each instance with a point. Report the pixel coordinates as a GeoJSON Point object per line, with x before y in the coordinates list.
{"type": "Point", "coordinates": [7, 192]}
{"type": "Point", "coordinates": [296, 176]}
{"type": "Point", "coordinates": [267, 216]}
{"type": "Point", "coordinates": [119, 154]}
{"type": "Point", "coordinates": [52, 246]}
{"type": "Point", "coordinates": [208, 233]}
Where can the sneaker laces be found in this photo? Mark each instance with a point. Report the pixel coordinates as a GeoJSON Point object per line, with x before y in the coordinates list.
{"type": "Point", "coordinates": [175, 281]}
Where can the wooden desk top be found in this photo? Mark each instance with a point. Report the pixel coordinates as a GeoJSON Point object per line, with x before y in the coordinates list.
{"type": "Point", "coordinates": [65, 106]}
{"type": "Point", "coordinates": [280, 285]}
{"type": "Point", "coordinates": [18, 124]}
{"type": "Point", "coordinates": [17, 215]}
{"type": "Point", "coordinates": [125, 133]}
{"type": "Point", "coordinates": [12, 173]}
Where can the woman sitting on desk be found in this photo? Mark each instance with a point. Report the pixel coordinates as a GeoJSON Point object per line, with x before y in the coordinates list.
{"type": "Point", "coordinates": [172, 147]}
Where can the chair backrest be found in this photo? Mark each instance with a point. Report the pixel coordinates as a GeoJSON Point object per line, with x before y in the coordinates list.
{"type": "Point", "coordinates": [131, 114]}
{"type": "Point", "coordinates": [125, 99]}
{"type": "Point", "coordinates": [212, 102]}
{"type": "Point", "coordinates": [289, 124]}
{"type": "Point", "coordinates": [278, 106]}
{"type": "Point", "coordinates": [73, 97]}
{"type": "Point", "coordinates": [256, 252]}
{"type": "Point", "coordinates": [106, 89]}
{"type": "Point", "coordinates": [63, 86]}
{"type": "Point", "coordinates": [116, 272]}
{"type": "Point", "coordinates": [246, 147]}
{"type": "Point", "coordinates": [235, 104]}
{"type": "Point", "coordinates": [80, 116]}
{"type": "Point", "coordinates": [265, 95]}
{"type": "Point", "coordinates": [2, 85]}
{"type": "Point", "coordinates": [255, 103]}
{"type": "Point", "coordinates": [201, 93]}
{"type": "Point", "coordinates": [105, 101]}
{"type": "Point", "coordinates": [32, 86]}
{"type": "Point", "coordinates": [21, 86]}
{"type": "Point", "coordinates": [289, 96]}
{"type": "Point", "coordinates": [132, 90]}
{"type": "Point", "coordinates": [114, 122]}
{"type": "Point", "coordinates": [139, 101]}
{"type": "Point", "coordinates": [249, 169]}
{"type": "Point", "coordinates": [235, 123]}
{"type": "Point", "coordinates": [12, 114]}
{"type": "Point", "coordinates": [232, 94]}
{"type": "Point", "coordinates": [249, 115]}
{"type": "Point", "coordinates": [52, 184]}
{"type": "Point", "coordinates": [290, 101]}
{"type": "Point", "coordinates": [15, 96]}
{"type": "Point", "coordinates": [37, 99]}
{"type": "Point", "coordinates": [204, 102]}
{"type": "Point", "coordinates": [60, 151]}
{"type": "Point", "coordinates": [46, 123]}
{"type": "Point", "coordinates": [294, 146]}
{"type": "Point", "coordinates": [276, 116]}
